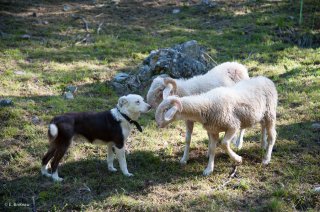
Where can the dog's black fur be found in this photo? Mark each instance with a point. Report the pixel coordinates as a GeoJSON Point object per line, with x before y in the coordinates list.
{"type": "Point", "coordinates": [92, 125]}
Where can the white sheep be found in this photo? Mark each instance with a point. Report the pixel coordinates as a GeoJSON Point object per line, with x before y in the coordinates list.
{"type": "Point", "coordinates": [227, 109]}
{"type": "Point", "coordinates": [225, 74]}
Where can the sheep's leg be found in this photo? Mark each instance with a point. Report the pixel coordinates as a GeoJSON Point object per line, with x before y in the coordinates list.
{"type": "Point", "coordinates": [213, 140]}
{"type": "Point", "coordinates": [271, 131]}
{"type": "Point", "coordinates": [239, 141]}
{"type": "Point", "coordinates": [226, 145]}
{"type": "Point", "coordinates": [264, 142]}
{"type": "Point", "coordinates": [189, 129]}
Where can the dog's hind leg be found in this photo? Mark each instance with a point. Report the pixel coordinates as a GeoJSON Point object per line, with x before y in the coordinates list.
{"type": "Point", "coordinates": [110, 158]}
{"type": "Point", "coordinates": [121, 155]}
{"type": "Point", "coordinates": [45, 160]}
{"type": "Point", "coordinates": [61, 149]}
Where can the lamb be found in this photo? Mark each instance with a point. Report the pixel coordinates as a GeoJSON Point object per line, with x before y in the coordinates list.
{"type": "Point", "coordinates": [225, 74]}
{"type": "Point", "coordinates": [227, 109]}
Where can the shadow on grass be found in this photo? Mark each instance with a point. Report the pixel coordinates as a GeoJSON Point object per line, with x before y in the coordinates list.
{"type": "Point", "coordinates": [89, 180]}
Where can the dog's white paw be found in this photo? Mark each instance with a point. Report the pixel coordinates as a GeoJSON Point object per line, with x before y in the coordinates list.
{"type": "Point", "coordinates": [128, 174]}
{"type": "Point", "coordinates": [57, 179]}
{"type": "Point", "coordinates": [112, 169]}
{"type": "Point", "coordinates": [45, 172]}
{"type": "Point", "coordinates": [207, 171]}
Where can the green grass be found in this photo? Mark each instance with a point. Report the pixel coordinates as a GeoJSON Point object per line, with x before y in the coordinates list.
{"type": "Point", "coordinates": [264, 35]}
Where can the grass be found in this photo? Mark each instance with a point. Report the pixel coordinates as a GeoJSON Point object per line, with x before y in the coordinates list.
{"type": "Point", "coordinates": [264, 35]}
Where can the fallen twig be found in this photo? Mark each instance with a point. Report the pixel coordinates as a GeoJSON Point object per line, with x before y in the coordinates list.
{"type": "Point", "coordinates": [84, 40]}
{"type": "Point", "coordinates": [232, 175]}
{"type": "Point", "coordinates": [99, 28]}
{"type": "Point", "coordinates": [209, 57]}
{"type": "Point", "coordinates": [86, 23]}
{"type": "Point", "coordinates": [98, 15]}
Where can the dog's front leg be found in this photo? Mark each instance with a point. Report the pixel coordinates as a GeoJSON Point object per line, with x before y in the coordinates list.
{"type": "Point", "coordinates": [110, 158]}
{"type": "Point", "coordinates": [121, 155]}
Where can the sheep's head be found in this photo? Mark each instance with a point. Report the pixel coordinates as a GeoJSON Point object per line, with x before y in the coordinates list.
{"type": "Point", "coordinates": [166, 112]}
{"type": "Point", "coordinates": [160, 89]}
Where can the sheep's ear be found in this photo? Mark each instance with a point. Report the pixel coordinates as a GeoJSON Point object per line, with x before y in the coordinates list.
{"type": "Point", "coordinates": [170, 113]}
{"type": "Point", "coordinates": [172, 82]}
{"type": "Point", "coordinates": [177, 104]}
{"type": "Point", "coordinates": [166, 92]}
{"type": "Point", "coordinates": [122, 101]}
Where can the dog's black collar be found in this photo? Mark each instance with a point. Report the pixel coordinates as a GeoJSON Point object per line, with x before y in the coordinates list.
{"type": "Point", "coordinates": [130, 120]}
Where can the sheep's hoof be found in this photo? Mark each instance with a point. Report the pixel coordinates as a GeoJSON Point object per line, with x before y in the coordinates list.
{"type": "Point", "coordinates": [183, 162]}
{"type": "Point", "coordinates": [238, 160]}
{"type": "Point", "coordinates": [112, 169]}
{"type": "Point", "coordinates": [207, 171]}
{"type": "Point", "coordinates": [265, 162]}
{"type": "Point", "coordinates": [128, 174]}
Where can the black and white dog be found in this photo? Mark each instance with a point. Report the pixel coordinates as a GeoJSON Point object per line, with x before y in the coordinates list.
{"type": "Point", "coordinates": [109, 127]}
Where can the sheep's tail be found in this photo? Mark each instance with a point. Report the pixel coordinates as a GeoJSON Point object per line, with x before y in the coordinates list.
{"type": "Point", "coordinates": [52, 132]}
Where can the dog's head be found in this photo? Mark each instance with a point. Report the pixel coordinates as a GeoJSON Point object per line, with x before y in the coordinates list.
{"type": "Point", "coordinates": [133, 105]}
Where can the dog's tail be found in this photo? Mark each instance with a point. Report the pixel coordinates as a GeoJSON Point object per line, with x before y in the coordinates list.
{"type": "Point", "coordinates": [52, 131]}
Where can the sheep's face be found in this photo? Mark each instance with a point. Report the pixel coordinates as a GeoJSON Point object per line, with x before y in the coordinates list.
{"type": "Point", "coordinates": [154, 95]}
{"type": "Point", "coordinates": [167, 110]}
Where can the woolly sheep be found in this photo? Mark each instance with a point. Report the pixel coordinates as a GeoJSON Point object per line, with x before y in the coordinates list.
{"type": "Point", "coordinates": [227, 109]}
{"type": "Point", "coordinates": [225, 74]}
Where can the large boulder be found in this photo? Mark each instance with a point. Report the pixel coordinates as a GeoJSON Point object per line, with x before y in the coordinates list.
{"type": "Point", "coordinates": [180, 61]}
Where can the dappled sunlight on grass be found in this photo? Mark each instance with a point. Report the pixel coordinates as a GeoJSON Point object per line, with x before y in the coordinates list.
{"type": "Point", "coordinates": [34, 73]}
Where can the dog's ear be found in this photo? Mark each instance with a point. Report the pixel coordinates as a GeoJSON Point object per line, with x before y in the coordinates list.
{"type": "Point", "coordinates": [170, 87]}
{"type": "Point", "coordinates": [122, 101]}
{"type": "Point", "coordinates": [177, 106]}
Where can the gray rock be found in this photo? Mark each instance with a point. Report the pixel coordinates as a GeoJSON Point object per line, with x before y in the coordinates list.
{"type": "Point", "coordinates": [176, 11]}
{"type": "Point", "coordinates": [72, 89]}
{"type": "Point", "coordinates": [317, 189]}
{"type": "Point", "coordinates": [121, 77]}
{"type": "Point", "coordinates": [68, 95]}
{"type": "Point", "coordinates": [180, 61]}
{"type": "Point", "coordinates": [6, 102]}
{"type": "Point", "coordinates": [25, 36]}
{"type": "Point", "coordinates": [19, 72]}
{"type": "Point", "coordinates": [315, 126]}
{"type": "Point", "coordinates": [35, 120]}
{"type": "Point", "coordinates": [66, 8]}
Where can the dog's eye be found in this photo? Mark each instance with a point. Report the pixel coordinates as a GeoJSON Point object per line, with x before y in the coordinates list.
{"type": "Point", "coordinates": [138, 102]}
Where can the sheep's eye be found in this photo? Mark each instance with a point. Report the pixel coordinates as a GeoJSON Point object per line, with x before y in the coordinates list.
{"type": "Point", "coordinates": [137, 102]}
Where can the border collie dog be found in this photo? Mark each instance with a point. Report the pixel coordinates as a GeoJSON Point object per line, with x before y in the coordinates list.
{"type": "Point", "coordinates": [109, 127]}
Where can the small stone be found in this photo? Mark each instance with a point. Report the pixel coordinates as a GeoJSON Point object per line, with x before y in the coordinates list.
{"type": "Point", "coordinates": [317, 189]}
{"type": "Point", "coordinates": [121, 77]}
{"type": "Point", "coordinates": [72, 89]}
{"type": "Point", "coordinates": [6, 102]}
{"type": "Point", "coordinates": [66, 8]}
{"type": "Point", "coordinates": [25, 36]}
{"type": "Point", "coordinates": [35, 120]}
{"type": "Point", "coordinates": [176, 11]}
{"type": "Point", "coordinates": [45, 22]}
{"type": "Point", "coordinates": [68, 95]}
{"type": "Point", "coordinates": [315, 126]}
{"type": "Point", "coordinates": [20, 72]}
